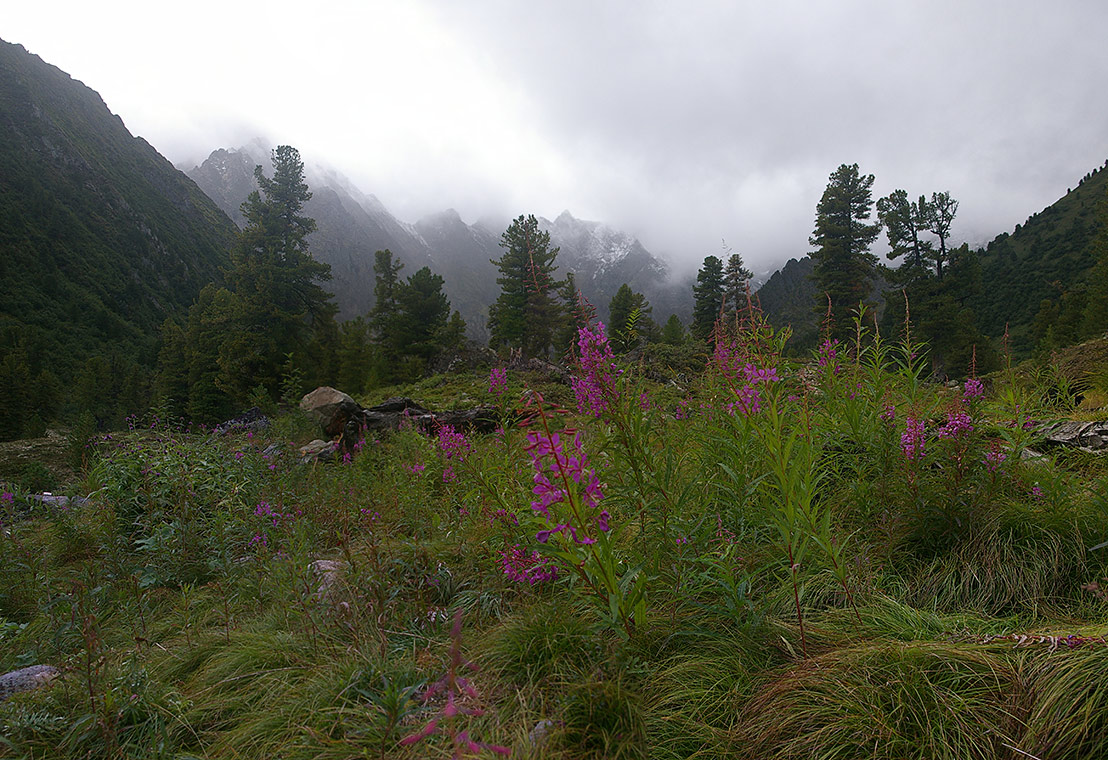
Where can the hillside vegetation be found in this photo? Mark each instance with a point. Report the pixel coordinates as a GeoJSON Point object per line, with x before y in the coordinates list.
{"type": "Point", "coordinates": [765, 559]}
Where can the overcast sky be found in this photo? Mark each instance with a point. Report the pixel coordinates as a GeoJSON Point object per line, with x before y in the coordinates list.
{"type": "Point", "coordinates": [686, 123]}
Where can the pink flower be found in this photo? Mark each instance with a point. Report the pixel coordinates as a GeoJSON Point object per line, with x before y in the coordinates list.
{"type": "Point", "coordinates": [498, 380]}
{"type": "Point", "coordinates": [594, 385]}
{"type": "Point", "coordinates": [994, 458]}
{"type": "Point", "coordinates": [913, 439]}
{"type": "Point", "coordinates": [522, 566]}
{"type": "Point", "coordinates": [958, 424]}
{"type": "Point", "coordinates": [973, 389]}
{"type": "Point", "coordinates": [827, 355]}
{"type": "Point", "coordinates": [553, 469]}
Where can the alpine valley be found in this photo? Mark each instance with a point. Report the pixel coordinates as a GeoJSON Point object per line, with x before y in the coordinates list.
{"type": "Point", "coordinates": [353, 225]}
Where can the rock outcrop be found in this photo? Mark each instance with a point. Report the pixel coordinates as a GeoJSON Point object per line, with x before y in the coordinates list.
{"type": "Point", "coordinates": [26, 679]}
{"type": "Point", "coordinates": [1085, 436]}
{"type": "Point", "coordinates": [331, 408]}
{"type": "Point", "coordinates": [339, 415]}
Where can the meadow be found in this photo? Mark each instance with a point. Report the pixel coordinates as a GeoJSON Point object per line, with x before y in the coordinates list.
{"type": "Point", "coordinates": [732, 554]}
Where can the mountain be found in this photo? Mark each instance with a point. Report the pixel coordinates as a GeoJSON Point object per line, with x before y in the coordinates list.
{"type": "Point", "coordinates": [603, 258]}
{"type": "Point", "coordinates": [100, 237]}
{"type": "Point", "coordinates": [788, 298]}
{"type": "Point", "coordinates": [1048, 255]}
{"type": "Point", "coordinates": [462, 255]}
{"type": "Point", "coordinates": [352, 225]}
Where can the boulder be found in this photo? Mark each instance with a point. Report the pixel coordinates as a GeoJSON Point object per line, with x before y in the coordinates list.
{"type": "Point", "coordinates": [329, 574]}
{"type": "Point", "coordinates": [1085, 436]}
{"type": "Point", "coordinates": [317, 451]}
{"type": "Point", "coordinates": [330, 408]}
{"type": "Point", "coordinates": [26, 679]}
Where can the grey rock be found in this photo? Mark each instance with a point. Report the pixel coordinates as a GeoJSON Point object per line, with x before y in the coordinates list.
{"type": "Point", "coordinates": [26, 679]}
{"type": "Point", "coordinates": [1091, 437]}
{"type": "Point", "coordinates": [57, 500]}
{"type": "Point", "coordinates": [329, 574]}
{"type": "Point", "coordinates": [330, 408]}
{"type": "Point", "coordinates": [317, 451]}
{"type": "Point", "coordinates": [540, 733]}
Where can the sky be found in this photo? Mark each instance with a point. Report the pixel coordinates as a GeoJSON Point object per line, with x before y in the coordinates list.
{"type": "Point", "coordinates": [694, 125]}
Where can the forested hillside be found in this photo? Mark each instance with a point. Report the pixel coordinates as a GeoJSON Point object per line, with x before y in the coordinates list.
{"type": "Point", "coordinates": [100, 238]}
{"type": "Point", "coordinates": [1047, 256]}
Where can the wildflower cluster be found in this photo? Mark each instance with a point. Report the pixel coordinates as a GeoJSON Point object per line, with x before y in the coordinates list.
{"type": "Point", "coordinates": [595, 384]}
{"type": "Point", "coordinates": [454, 448]}
{"type": "Point", "coordinates": [498, 381]}
{"type": "Point", "coordinates": [973, 389]}
{"type": "Point", "coordinates": [270, 518]}
{"type": "Point", "coordinates": [994, 458]}
{"type": "Point", "coordinates": [522, 566]}
{"type": "Point", "coordinates": [913, 439]}
{"type": "Point", "coordinates": [455, 688]}
{"type": "Point", "coordinates": [745, 378]}
{"type": "Point", "coordinates": [888, 413]}
{"type": "Point", "coordinates": [828, 355]}
{"type": "Point", "coordinates": [554, 472]}
{"type": "Point", "coordinates": [958, 425]}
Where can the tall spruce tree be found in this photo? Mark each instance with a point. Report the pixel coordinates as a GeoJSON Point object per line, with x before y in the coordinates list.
{"type": "Point", "coordinates": [673, 334]}
{"type": "Point", "coordinates": [576, 314]}
{"type": "Point", "coordinates": [386, 308]}
{"type": "Point", "coordinates": [527, 313]}
{"type": "Point", "coordinates": [735, 278]}
{"type": "Point", "coordinates": [421, 322]}
{"type": "Point", "coordinates": [278, 302]}
{"type": "Point", "coordinates": [708, 297]}
{"type": "Point", "coordinates": [844, 267]}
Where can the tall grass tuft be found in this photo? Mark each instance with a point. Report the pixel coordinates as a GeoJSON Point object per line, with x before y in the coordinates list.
{"type": "Point", "coordinates": [883, 700]}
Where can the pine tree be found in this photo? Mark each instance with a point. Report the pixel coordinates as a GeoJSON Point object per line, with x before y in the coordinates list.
{"type": "Point", "coordinates": [629, 321]}
{"type": "Point", "coordinates": [844, 266]}
{"type": "Point", "coordinates": [673, 333]}
{"type": "Point", "coordinates": [708, 297]}
{"type": "Point", "coordinates": [386, 307]}
{"type": "Point", "coordinates": [278, 302]}
{"type": "Point", "coordinates": [421, 323]}
{"type": "Point", "coordinates": [526, 314]}
{"type": "Point", "coordinates": [1095, 318]}
{"type": "Point", "coordinates": [577, 313]}
{"type": "Point", "coordinates": [735, 279]}
{"type": "Point", "coordinates": [15, 389]}
{"type": "Point", "coordinates": [355, 355]}
{"type": "Point", "coordinates": [939, 216]}
{"type": "Point", "coordinates": [904, 220]}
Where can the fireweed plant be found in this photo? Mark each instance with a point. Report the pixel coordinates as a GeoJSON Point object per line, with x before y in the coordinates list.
{"type": "Point", "coordinates": [649, 474]}
{"type": "Point", "coordinates": [577, 528]}
{"type": "Point", "coordinates": [772, 426]}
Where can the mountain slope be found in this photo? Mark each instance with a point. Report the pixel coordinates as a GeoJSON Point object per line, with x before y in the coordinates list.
{"type": "Point", "coordinates": [350, 226]}
{"type": "Point", "coordinates": [100, 237]}
{"type": "Point", "coordinates": [1047, 255]}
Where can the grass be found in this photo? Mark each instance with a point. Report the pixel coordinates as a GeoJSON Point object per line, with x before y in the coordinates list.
{"type": "Point", "coordinates": [180, 604]}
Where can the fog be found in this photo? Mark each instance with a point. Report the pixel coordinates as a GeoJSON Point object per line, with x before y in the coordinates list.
{"type": "Point", "coordinates": [686, 124]}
